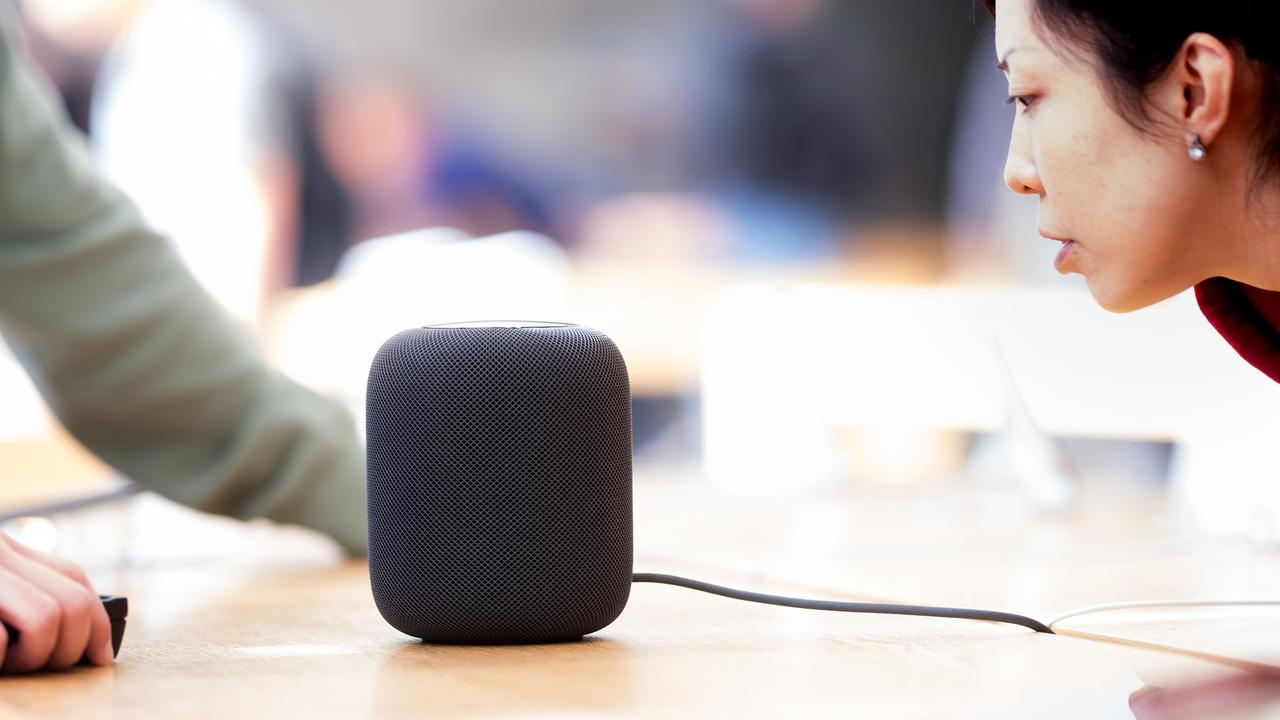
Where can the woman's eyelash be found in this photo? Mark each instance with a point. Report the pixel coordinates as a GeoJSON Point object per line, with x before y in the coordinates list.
{"type": "Point", "coordinates": [1024, 100]}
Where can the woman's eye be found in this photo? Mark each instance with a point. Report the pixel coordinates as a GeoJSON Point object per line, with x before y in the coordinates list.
{"type": "Point", "coordinates": [1023, 100]}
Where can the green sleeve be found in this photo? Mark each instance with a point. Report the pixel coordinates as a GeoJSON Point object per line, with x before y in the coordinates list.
{"type": "Point", "coordinates": [134, 357]}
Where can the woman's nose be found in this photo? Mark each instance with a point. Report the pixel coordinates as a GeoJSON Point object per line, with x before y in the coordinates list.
{"type": "Point", "coordinates": [1020, 172]}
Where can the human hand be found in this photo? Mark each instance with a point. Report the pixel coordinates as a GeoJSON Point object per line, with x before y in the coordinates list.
{"type": "Point", "coordinates": [51, 603]}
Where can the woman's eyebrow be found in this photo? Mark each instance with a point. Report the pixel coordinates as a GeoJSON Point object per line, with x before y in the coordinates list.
{"type": "Point", "coordinates": [1003, 64]}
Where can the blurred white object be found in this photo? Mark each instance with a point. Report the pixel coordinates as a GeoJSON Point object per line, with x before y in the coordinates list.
{"type": "Point", "coordinates": [1035, 458]}
{"type": "Point", "coordinates": [25, 414]}
{"type": "Point", "coordinates": [37, 533]}
{"type": "Point", "coordinates": [787, 367]}
{"type": "Point", "coordinates": [442, 275]}
{"type": "Point", "coordinates": [186, 122]}
{"type": "Point", "coordinates": [423, 277]}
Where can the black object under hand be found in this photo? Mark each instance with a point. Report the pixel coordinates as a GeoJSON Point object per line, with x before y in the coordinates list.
{"type": "Point", "coordinates": [117, 607]}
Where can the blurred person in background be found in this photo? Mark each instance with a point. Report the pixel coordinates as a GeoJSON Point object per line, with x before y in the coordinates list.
{"type": "Point", "coordinates": [372, 128]}
{"type": "Point", "coordinates": [783, 147]}
{"type": "Point", "coordinates": [472, 186]}
{"type": "Point", "coordinates": [1150, 133]}
{"type": "Point", "coordinates": [142, 367]}
{"type": "Point", "coordinates": [200, 106]}
{"type": "Point", "coordinates": [408, 165]}
{"type": "Point", "coordinates": [808, 131]}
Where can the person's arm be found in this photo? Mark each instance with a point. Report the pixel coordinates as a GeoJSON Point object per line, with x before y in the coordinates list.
{"type": "Point", "coordinates": [134, 358]}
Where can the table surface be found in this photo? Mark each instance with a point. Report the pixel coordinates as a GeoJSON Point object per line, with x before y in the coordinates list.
{"type": "Point", "coordinates": [277, 624]}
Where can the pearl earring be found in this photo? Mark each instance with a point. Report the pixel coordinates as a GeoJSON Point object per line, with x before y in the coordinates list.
{"type": "Point", "coordinates": [1196, 150]}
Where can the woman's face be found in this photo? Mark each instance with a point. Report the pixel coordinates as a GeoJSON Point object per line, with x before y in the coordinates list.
{"type": "Point", "coordinates": [1136, 208]}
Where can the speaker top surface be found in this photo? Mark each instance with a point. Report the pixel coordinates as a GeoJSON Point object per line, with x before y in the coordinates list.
{"type": "Point", "coordinates": [477, 324]}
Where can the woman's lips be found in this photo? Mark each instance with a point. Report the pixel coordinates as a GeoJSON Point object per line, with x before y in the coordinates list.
{"type": "Point", "coordinates": [1064, 255]}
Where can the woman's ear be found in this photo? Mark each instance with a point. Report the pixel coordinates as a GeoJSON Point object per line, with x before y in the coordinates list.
{"type": "Point", "coordinates": [1199, 86]}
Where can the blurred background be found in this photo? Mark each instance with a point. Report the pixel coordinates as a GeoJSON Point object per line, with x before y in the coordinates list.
{"type": "Point", "coordinates": [789, 214]}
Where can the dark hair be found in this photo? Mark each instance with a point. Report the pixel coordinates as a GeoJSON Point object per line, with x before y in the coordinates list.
{"type": "Point", "coordinates": [1132, 43]}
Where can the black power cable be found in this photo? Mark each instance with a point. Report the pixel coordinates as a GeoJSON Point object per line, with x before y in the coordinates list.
{"type": "Point", "coordinates": [838, 606]}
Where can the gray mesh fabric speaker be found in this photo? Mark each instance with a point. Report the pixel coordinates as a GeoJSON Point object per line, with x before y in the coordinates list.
{"type": "Point", "coordinates": [499, 480]}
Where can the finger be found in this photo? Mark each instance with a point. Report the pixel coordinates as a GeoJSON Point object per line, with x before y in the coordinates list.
{"type": "Point", "coordinates": [100, 650]}
{"type": "Point", "coordinates": [32, 612]}
{"type": "Point", "coordinates": [75, 603]}
{"type": "Point", "coordinates": [4, 642]}
{"type": "Point", "coordinates": [66, 567]}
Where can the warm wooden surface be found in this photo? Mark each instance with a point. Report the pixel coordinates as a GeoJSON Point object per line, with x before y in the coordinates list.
{"type": "Point", "coordinates": [48, 468]}
{"type": "Point", "coordinates": [288, 631]}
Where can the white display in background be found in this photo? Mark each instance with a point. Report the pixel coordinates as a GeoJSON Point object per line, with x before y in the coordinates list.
{"type": "Point", "coordinates": [786, 367]}
{"type": "Point", "coordinates": [789, 370]}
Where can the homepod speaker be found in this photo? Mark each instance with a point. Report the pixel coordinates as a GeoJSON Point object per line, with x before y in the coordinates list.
{"type": "Point", "coordinates": [499, 482]}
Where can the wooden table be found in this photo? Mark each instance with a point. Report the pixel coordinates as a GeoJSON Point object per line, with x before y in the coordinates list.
{"type": "Point", "coordinates": [292, 631]}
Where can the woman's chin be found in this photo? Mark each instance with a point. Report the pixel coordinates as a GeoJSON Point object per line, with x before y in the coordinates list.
{"type": "Point", "coordinates": [1119, 298]}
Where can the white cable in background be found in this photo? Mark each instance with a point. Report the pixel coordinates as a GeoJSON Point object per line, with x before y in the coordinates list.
{"type": "Point", "coordinates": [1141, 604]}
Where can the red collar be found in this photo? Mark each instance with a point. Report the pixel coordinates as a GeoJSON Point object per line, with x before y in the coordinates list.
{"type": "Point", "coordinates": [1249, 319]}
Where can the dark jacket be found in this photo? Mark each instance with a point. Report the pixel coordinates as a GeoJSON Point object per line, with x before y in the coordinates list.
{"type": "Point", "coordinates": [1248, 317]}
